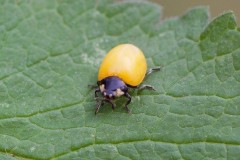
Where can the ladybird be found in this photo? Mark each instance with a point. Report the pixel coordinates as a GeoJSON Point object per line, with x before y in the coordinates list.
{"type": "Point", "coordinates": [124, 66]}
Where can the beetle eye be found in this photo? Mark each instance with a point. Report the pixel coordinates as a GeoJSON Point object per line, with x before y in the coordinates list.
{"type": "Point", "coordinates": [99, 83]}
{"type": "Point", "coordinates": [124, 88]}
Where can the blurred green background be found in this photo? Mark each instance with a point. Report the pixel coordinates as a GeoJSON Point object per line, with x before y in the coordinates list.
{"type": "Point", "coordinates": [173, 8]}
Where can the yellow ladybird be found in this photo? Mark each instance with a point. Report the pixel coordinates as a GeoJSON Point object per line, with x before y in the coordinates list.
{"type": "Point", "coordinates": [125, 61]}
{"type": "Point", "coordinates": [124, 66]}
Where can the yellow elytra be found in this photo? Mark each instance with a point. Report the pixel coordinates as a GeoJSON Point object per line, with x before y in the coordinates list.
{"type": "Point", "coordinates": [125, 61]}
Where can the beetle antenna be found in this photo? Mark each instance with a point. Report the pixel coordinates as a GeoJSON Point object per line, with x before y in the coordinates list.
{"type": "Point", "coordinates": [92, 86]}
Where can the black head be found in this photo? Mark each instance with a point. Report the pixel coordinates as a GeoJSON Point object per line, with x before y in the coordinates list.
{"type": "Point", "coordinates": [112, 87]}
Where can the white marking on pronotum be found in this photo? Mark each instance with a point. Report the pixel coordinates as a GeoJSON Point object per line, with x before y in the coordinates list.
{"type": "Point", "coordinates": [102, 87]}
{"type": "Point", "coordinates": [119, 92]}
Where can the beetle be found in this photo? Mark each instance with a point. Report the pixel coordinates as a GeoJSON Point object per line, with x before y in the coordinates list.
{"type": "Point", "coordinates": [124, 66]}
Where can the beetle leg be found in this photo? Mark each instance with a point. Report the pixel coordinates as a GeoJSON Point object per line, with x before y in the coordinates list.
{"type": "Point", "coordinates": [112, 103]}
{"type": "Point", "coordinates": [149, 87]}
{"type": "Point", "coordinates": [96, 91]}
{"type": "Point", "coordinates": [129, 100]}
{"type": "Point", "coordinates": [152, 69]}
{"type": "Point", "coordinates": [99, 105]}
{"type": "Point", "coordinates": [142, 87]}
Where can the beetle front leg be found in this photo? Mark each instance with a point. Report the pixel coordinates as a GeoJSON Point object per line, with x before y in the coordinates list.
{"type": "Point", "coordinates": [129, 100]}
{"type": "Point", "coordinates": [99, 105]}
{"type": "Point", "coordinates": [111, 102]}
{"type": "Point", "coordinates": [96, 91]}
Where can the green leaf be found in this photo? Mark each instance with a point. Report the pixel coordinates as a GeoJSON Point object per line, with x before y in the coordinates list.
{"type": "Point", "coordinates": [51, 50]}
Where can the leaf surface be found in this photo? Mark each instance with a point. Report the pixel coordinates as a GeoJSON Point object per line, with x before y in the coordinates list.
{"type": "Point", "coordinates": [51, 50]}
